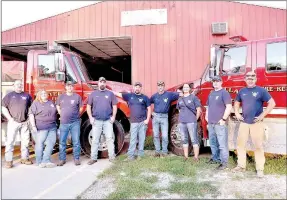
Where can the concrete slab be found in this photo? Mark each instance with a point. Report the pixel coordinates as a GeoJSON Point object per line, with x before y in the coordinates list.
{"type": "Point", "coordinates": [66, 182]}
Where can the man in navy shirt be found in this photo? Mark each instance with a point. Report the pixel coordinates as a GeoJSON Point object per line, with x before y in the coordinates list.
{"type": "Point", "coordinates": [68, 106]}
{"type": "Point", "coordinates": [217, 112]}
{"type": "Point", "coordinates": [102, 110]}
{"type": "Point", "coordinates": [15, 107]}
{"type": "Point", "coordinates": [161, 100]}
{"type": "Point", "coordinates": [140, 111]}
{"type": "Point", "coordinates": [252, 98]}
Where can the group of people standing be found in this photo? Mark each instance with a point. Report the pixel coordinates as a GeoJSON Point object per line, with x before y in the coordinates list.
{"type": "Point", "coordinates": [17, 107]}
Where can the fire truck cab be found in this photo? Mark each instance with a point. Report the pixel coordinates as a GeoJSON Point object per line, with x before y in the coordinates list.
{"type": "Point", "coordinates": [267, 58]}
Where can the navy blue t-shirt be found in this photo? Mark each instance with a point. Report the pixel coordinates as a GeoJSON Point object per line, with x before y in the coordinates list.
{"type": "Point", "coordinates": [102, 104]}
{"type": "Point", "coordinates": [162, 101]}
{"type": "Point", "coordinates": [70, 108]}
{"type": "Point", "coordinates": [216, 103]}
{"type": "Point", "coordinates": [252, 102]}
{"type": "Point", "coordinates": [187, 108]}
{"type": "Point", "coordinates": [138, 106]}
{"type": "Point", "coordinates": [45, 114]}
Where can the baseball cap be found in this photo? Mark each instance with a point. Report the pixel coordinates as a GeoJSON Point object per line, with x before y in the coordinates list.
{"type": "Point", "coordinates": [69, 83]}
{"type": "Point", "coordinates": [102, 79]}
{"type": "Point", "coordinates": [216, 78]}
{"type": "Point", "coordinates": [160, 83]}
{"type": "Point", "coordinates": [138, 83]}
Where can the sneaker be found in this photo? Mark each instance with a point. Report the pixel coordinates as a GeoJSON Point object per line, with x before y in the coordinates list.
{"type": "Point", "coordinates": [50, 165]}
{"type": "Point", "coordinates": [26, 161]}
{"type": "Point", "coordinates": [156, 155]}
{"type": "Point", "coordinates": [42, 165]}
{"type": "Point", "coordinates": [211, 161]}
{"type": "Point", "coordinates": [9, 164]}
{"type": "Point", "coordinates": [260, 174]}
{"type": "Point", "coordinates": [91, 162]}
{"type": "Point", "coordinates": [77, 162]}
{"type": "Point", "coordinates": [222, 167]}
{"type": "Point", "coordinates": [238, 169]}
{"type": "Point", "coordinates": [61, 163]}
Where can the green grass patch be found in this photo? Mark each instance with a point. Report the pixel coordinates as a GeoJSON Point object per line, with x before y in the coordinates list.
{"type": "Point", "coordinates": [193, 189]}
{"type": "Point", "coordinates": [149, 145]}
{"type": "Point", "coordinates": [277, 165]}
{"type": "Point", "coordinates": [131, 183]}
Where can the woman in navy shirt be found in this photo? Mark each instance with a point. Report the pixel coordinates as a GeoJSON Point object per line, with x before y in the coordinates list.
{"type": "Point", "coordinates": [43, 116]}
{"type": "Point", "coordinates": [189, 112]}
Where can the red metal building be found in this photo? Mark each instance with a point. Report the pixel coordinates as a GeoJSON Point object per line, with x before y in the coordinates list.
{"type": "Point", "coordinates": [174, 51]}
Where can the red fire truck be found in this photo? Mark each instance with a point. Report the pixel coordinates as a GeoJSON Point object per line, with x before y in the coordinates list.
{"type": "Point", "coordinates": [267, 58]}
{"type": "Point", "coordinates": [49, 70]}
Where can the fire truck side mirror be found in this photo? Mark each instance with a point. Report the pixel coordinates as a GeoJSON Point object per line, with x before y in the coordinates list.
{"type": "Point", "coordinates": [59, 62]}
{"type": "Point", "coordinates": [212, 57]}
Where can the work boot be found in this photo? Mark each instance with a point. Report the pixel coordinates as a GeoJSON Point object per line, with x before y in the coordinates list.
{"type": "Point", "coordinates": [211, 161]}
{"type": "Point", "coordinates": [156, 154]}
{"type": "Point", "coordinates": [91, 162]}
{"type": "Point", "coordinates": [9, 164]}
{"type": "Point", "coordinates": [222, 167]}
{"type": "Point", "coordinates": [61, 163]}
{"type": "Point", "coordinates": [238, 169]}
{"type": "Point", "coordinates": [260, 174]}
{"type": "Point", "coordinates": [77, 162]}
{"type": "Point", "coordinates": [26, 161]}
{"type": "Point", "coordinates": [163, 155]}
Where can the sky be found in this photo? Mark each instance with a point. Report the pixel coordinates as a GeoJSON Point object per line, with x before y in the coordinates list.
{"type": "Point", "coordinates": [17, 13]}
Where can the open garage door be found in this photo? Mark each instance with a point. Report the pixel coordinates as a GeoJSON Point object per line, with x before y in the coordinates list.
{"type": "Point", "coordinates": [19, 51]}
{"type": "Point", "coordinates": [108, 57]}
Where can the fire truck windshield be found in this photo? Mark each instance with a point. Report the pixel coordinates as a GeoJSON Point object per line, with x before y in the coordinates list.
{"type": "Point", "coordinates": [81, 68]}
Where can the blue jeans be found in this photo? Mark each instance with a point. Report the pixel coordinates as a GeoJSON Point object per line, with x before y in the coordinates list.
{"type": "Point", "coordinates": [42, 138]}
{"type": "Point", "coordinates": [138, 130]}
{"type": "Point", "coordinates": [74, 129]}
{"type": "Point", "coordinates": [160, 121]}
{"type": "Point", "coordinates": [218, 138]}
{"type": "Point", "coordinates": [188, 129]}
{"type": "Point", "coordinates": [107, 128]}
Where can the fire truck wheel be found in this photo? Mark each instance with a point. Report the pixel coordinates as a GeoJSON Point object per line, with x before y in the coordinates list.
{"type": "Point", "coordinates": [175, 144]}
{"type": "Point", "coordinates": [86, 139]}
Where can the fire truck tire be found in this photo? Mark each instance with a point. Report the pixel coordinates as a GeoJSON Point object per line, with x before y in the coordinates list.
{"type": "Point", "coordinates": [86, 141]}
{"type": "Point", "coordinates": [175, 144]}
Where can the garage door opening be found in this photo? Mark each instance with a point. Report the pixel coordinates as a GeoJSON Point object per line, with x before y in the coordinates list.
{"type": "Point", "coordinates": [107, 57]}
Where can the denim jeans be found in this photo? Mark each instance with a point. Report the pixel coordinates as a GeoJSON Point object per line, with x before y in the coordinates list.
{"type": "Point", "coordinates": [44, 138]}
{"type": "Point", "coordinates": [160, 122]}
{"type": "Point", "coordinates": [188, 129]}
{"type": "Point", "coordinates": [138, 130]}
{"type": "Point", "coordinates": [105, 127]}
{"type": "Point", "coordinates": [12, 129]}
{"type": "Point", "coordinates": [218, 139]}
{"type": "Point", "coordinates": [74, 129]}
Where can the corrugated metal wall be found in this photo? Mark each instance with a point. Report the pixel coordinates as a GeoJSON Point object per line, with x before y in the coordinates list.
{"type": "Point", "coordinates": [175, 52]}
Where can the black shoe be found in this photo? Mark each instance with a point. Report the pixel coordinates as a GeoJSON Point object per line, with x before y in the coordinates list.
{"type": "Point", "coordinates": [210, 161]}
{"type": "Point", "coordinates": [222, 167]}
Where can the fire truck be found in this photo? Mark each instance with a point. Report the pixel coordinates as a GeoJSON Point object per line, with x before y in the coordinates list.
{"type": "Point", "coordinates": [267, 58]}
{"type": "Point", "coordinates": [50, 69]}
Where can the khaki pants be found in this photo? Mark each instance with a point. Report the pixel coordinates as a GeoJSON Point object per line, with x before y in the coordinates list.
{"type": "Point", "coordinates": [12, 130]}
{"type": "Point", "coordinates": [257, 136]}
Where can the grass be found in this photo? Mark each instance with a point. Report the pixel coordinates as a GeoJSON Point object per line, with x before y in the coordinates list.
{"type": "Point", "coordinates": [131, 183]}
{"type": "Point", "coordinates": [275, 165]}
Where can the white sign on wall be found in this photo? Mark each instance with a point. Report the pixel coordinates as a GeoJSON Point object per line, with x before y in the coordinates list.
{"type": "Point", "coordinates": [144, 17]}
